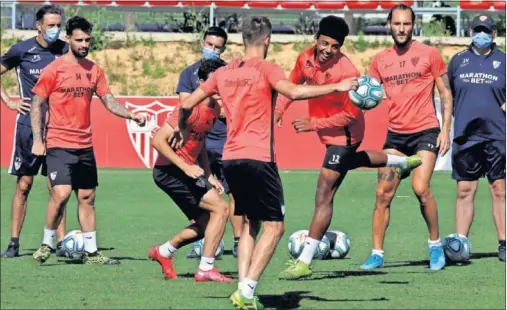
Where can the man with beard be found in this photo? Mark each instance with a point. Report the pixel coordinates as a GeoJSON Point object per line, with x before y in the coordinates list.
{"type": "Point", "coordinates": [409, 72]}
{"type": "Point", "coordinates": [248, 87]}
{"type": "Point", "coordinates": [29, 57]}
{"type": "Point", "coordinates": [68, 84]}
{"type": "Point", "coordinates": [340, 127]}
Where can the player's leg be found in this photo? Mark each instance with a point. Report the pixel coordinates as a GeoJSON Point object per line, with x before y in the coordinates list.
{"type": "Point", "coordinates": [60, 231]}
{"type": "Point", "coordinates": [465, 196]}
{"type": "Point", "coordinates": [260, 200]}
{"type": "Point", "coordinates": [388, 182]}
{"type": "Point", "coordinates": [237, 223]}
{"type": "Point", "coordinates": [374, 159]}
{"type": "Point", "coordinates": [421, 186]}
{"type": "Point", "coordinates": [495, 156]}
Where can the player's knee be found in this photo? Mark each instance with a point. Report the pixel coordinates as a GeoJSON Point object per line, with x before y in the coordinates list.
{"type": "Point", "coordinates": [87, 198]}
{"type": "Point", "coordinates": [276, 229]}
{"type": "Point", "coordinates": [498, 190]}
{"type": "Point", "coordinates": [60, 197]}
{"type": "Point", "coordinates": [465, 193]}
{"type": "Point", "coordinates": [223, 208]}
{"type": "Point", "coordinates": [422, 191]}
{"type": "Point", "coordinates": [383, 197]}
{"type": "Point", "coordinates": [24, 186]}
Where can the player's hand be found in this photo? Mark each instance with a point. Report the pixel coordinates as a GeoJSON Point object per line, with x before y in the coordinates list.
{"type": "Point", "coordinates": [443, 142]}
{"type": "Point", "coordinates": [216, 184]}
{"type": "Point", "coordinates": [302, 124]}
{"type": "Point", "coordinates": [38, 148]}
{"type": "Point", "coordinates": [153, 131]}
{"type": "Point", "coordinates": [178, 138]}
{"type": "Point", "coordinates": [278, 119]}
{"type": "Point", "coordinates": [194, 171]}
{"type": "Point", "coordinates": [503, 107]}
{"type": "Point", "coordinates": [347, 84]}
{"type": "Point", "coordinates": [21, 106]}
{"type": "Point", "coordinates": [139, 119]}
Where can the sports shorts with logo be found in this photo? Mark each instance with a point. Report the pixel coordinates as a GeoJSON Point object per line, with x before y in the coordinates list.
{"type": "Point", "coordinates": [75, 167]}
{"type": "Point", "coordinates": [23, 162]}
{"type": "Point", "coordinates": [339, 157]}
{"type": "Point", "coordinates": [257, 189]}
{"type": "Point", "coordinates": [472, 160]}
{"type": "Point", "coordinates": [217, 168]}
{"type": "Point", "coordinates": [410, 144]}
{"type": "Point", "coordinates": [185, 191]}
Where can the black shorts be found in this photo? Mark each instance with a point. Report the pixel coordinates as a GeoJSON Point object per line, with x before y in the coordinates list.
{"type": "Point", "coordinates": [217, 168]}
{"type": "Point", "coordinates": [410, 144]}
{"type": "Point", "coordinates": [257, 189]}
{"type": "Point", "coordinates": [183, 190]}
{"type": "Point", "coordinates": [76, 167]}
{"type": "Point", "coordinates": [338, 157]}
{"type": "Point", "coordinates": [23, 162]}
{"type": "Point", "coordinates": [474, 159]}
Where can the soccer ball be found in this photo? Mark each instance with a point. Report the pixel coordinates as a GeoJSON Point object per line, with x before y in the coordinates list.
{"type": "Point", "coordinates": [457, 248]}
{"type": "Point", "coordinates": [199, 248]}
{"type": "Point", "coordinates": [368, 94]}
{"type": "Point", "coordinates": [340, 243]}
{"type": "Point", "coordinates": [73, 244]}
{"type": "Point", "coordinates": [297, 244]}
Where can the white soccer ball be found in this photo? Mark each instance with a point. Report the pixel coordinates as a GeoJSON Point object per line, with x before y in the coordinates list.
{"type": "Point", "coordinates": [457, 248]}
{"type": "Point", "coordinates": [73, 244]}
{"type": "Point", "coordinates": [368, 94]}
{"type": "Point", "coordinates": [297, 244]}
{"type": "Point", "coordinates": [199, 248]}
{"type": "Point", "coordinates": [340, 244]}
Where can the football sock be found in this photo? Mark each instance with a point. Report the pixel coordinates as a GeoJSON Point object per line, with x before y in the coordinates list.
{"type": "Point", "coordinates": [90, 241]}
{"type": "Point", "coordinates": [248, 288]}
{"type": "Point", "coordinates": [434, 242]}
{"type": "Point", "coordinates": [236, 241]}
{"type": "Point", "coordinates": [309, 249]}
{"type": "Point", "coordinates": [396, 161]}
{"type": "Point", "coordinates": [240, 285]}
{"type": "Point", "coordinates": [378, 252]}
{"type": "Point", "coordinates": [49, 237]}
{"type": "Point", "coordinates": [206, 263]}
{"type": "Point", "coordinates": [167, 249]}
{"type": "Point", "coordinates": [501, 243]}
{"type": "Point", "coordinates": [15, 240]}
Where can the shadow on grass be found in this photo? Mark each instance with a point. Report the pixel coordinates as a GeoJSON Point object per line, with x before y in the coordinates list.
{"type": "Point", "coordinates": [320, 275]}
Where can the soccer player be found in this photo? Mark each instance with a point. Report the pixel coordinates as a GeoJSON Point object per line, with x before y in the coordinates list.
{"type": "Point", "coordinates": [192, 187]}
{"type": "Point", "coordinates": [247, 87]}
{"type": "Point", "coordinates": [29, 57]}
{"type": "Point", "coordinates": [340, 126]}
{"type": "Point", "coordinates": [409, 71]}
{"type": "Point", "coordinates": [477, 80]}
{"type": "Point", "coordinates": [213, 44]}
{"type": "Point", "coordinates": [68, 84]}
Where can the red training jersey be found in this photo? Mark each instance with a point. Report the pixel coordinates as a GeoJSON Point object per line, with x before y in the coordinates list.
{"type": "Point", "coordinates": [247, 91]}
{"type": "Point", "coordinates": [69, 88]}
{"type": "Point", "coordinates": [409, 81]}
{"type": "Point", "coordinates": [200, 123]}
{"type": "Point", "coordinates": [334, 117]}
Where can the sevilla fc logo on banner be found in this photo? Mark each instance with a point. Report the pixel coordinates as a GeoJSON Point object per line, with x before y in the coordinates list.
{"type": "Point", "coordinates": [155, 113]}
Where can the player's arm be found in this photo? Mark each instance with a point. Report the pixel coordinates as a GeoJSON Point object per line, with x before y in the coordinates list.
{"type": "Point", "coordinates": [300, 92]}
{"type": "Point", "coordinates": [444, 89]}
{"type": "Point", "coordinates": [38, 147]}
{"type": "Point", "coordinates": [342, 119]}
{"type": "Point", "coordinates": [159, 142]}
{"type": "Point", "coordinates": [117, 109]}
{"type": "Point", "coordinates": [186, 106]}
{"type": "Point", "coordinates": [205, 165]}
{"type": "Point", "coordinates": [8, 61]}
{"type": "Point", "coordinates": [283, 103]}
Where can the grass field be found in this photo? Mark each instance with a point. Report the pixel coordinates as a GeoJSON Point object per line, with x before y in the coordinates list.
{"type": "Point", "coordinates": [134, 215]}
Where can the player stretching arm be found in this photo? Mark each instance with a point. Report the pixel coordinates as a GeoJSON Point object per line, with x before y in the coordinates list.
{"type": "Point", "coordinates": [409, 71]}
{"type": "Point", "coordinates": [340, 127]}
{"type": "Point", "coordinates": [192, 187]}
{"type": "Point", "coordinates": [68, 84]}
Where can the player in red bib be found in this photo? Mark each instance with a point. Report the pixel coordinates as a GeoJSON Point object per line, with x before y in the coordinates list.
{"type": "Point", "coordinates": [185, 175]}
{"type": "Point", "coordinates": [68, 84]}
{"type": "Point", "coordinates": [340, 127]}
{"type": "Point", "coordinates": [248, 87]}
{"type": "Point", "coordinates": [409, 72]}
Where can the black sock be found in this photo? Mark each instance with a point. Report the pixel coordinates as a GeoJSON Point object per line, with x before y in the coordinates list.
{"type": "Point", "coordinates": [501, 243]}
{"type": "Point", "coordinates": [15, 240]}
{"type": "Point", "coordinates": [236, 240]}
{"type": "Point", "coordinates": [59, 244]}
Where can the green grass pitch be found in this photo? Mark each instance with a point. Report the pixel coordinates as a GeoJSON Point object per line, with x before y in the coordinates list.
{"type": "Point", "coordinates": [133, 215]}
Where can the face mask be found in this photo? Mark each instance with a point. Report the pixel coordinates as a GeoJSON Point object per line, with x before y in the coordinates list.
{"type": "Point", "coordinates": [51, 35]}
{"type": "Point", "coordinates": [482, 39]}
{"type": "Point", "coordinates": [209, 54]}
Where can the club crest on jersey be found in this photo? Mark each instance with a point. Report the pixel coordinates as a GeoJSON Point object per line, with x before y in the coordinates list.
{"type": "Point", "coordinates": [496, 64]}
{"type": "Point", "coordinates": [36, 58]}
{"type": "Point", "coordinates": [155, 112]}
{"type": "Point", "coordinates": [415, 60]}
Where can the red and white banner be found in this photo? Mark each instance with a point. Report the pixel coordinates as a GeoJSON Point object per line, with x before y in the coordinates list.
{"type": "Point", "coordinates": [122, 144]}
